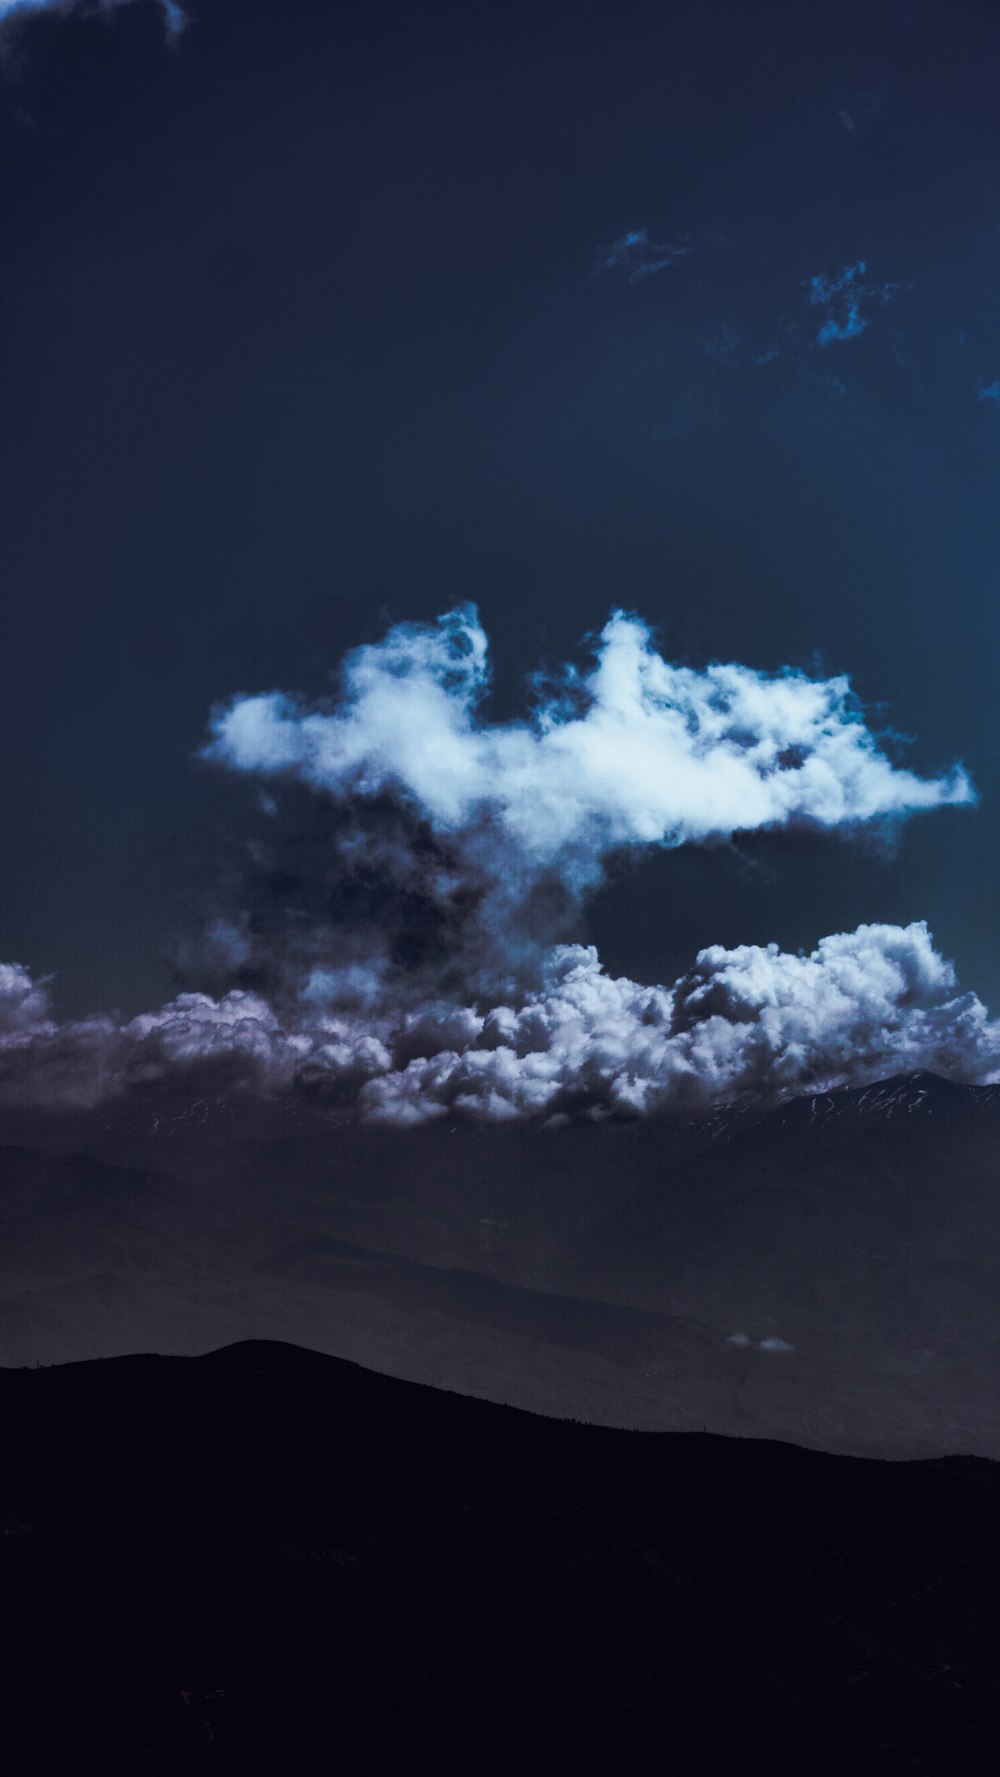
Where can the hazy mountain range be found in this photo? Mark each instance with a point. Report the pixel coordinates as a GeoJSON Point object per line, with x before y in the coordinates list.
{"type": "Point", "coordinates": [826, 1271]}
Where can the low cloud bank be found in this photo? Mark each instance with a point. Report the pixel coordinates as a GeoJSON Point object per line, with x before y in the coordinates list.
{"type": "Point", "coordinates": [750, 1020]}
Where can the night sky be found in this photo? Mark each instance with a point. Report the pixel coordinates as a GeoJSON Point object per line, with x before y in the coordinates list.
{"type": "Point", "coordinates": [319, 319]}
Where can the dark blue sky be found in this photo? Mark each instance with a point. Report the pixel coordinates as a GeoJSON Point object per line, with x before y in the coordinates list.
{"type": "Point", "coordinates": [302, 329]}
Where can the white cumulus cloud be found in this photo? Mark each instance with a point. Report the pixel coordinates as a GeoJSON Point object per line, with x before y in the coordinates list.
{"type": "Point", "coordinates": [748, 1021]}
{"type": "Point", "coordinates": [758, 1020]}
{"type": "Point", "coordinates": [634, 752]}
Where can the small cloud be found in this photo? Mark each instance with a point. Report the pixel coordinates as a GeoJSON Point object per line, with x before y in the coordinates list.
{"type": "Point", "coordinates": [637, 257]}
{"type": "Point", "coordinates": [825, 290]}
{"type": "Point", "coordinates": [989, 391]}
{"type": "Point", "coordinates": [842, 297]}
{"type": "Point", "coordinates": [740, 1339]}
{"type": "Point", "coordinates": [848, 326]}
{"type": "Point", "coordinates": [775, 1345]}
{"type": "Point", "coordinates": [857, 106]}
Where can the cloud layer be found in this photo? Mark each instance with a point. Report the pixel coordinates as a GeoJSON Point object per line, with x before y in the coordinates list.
{"type": "Point", "coordinates": [863, 1005]}
{"type": "Point", "coordinates": [417, 967]}
{"type": "Point", "coordinates": [751, 1020]}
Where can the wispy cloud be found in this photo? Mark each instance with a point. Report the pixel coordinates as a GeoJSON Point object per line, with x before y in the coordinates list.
{"type": "Point", "coordinates": [859, 105]}
{"type": "Point", "coordinates": [637, 257]}
{"type": "Point", "coordinates": [842, 297]}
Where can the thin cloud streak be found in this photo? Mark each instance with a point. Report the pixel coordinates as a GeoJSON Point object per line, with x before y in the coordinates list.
{"type": "Point", "coordinates": [636, 257]}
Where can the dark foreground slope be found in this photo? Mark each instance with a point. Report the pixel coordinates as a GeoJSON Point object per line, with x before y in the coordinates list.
{"type": "Point", "coordinates": [266, 1560]}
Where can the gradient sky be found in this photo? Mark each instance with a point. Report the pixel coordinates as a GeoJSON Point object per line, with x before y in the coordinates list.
{"type": "Point", "coordinates": [316, 317]}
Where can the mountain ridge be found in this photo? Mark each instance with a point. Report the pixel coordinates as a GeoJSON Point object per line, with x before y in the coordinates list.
{"type": "Point", "coordinates": [828, 1272]}
{"type": "Point", "coordinates": [296, 1563]}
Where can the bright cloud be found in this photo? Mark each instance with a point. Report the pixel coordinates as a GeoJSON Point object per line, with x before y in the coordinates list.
{"type": "Point", "coordinates": [751, 1020]}
{"type": "Point", "coordinates": [634, 752]}
{"type": "Point", "coordinates": [477, 842]}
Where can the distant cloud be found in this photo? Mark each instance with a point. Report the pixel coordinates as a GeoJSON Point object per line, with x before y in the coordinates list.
{"type": "Point", "coordinates": [174, 15]}
{"type": "Point", "coordinates": [775, 1345]}
{"type": "Point", "coordinates": [858, 105]}
{"type": "Point", "coordinates": [842, 298]}
{"type": "Point", "coordinates": [754, 1019]}
{"type": "Point", "coordinates": [24, 1003]}
{"type": "Point", "coordinates": [847, 326]}
{"type": "Point", "coordinates": [989, 391]}
{"type": "Point", "coordinates": [234, 1042]}
{"type": "Point", "coordinates": [637, 257]}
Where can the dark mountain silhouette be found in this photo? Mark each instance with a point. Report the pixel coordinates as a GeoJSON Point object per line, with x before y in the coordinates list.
{"type": "Point", "coordinates": [270, 1560]}
{"type": "Point", "coordinates": [825, 1271]}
